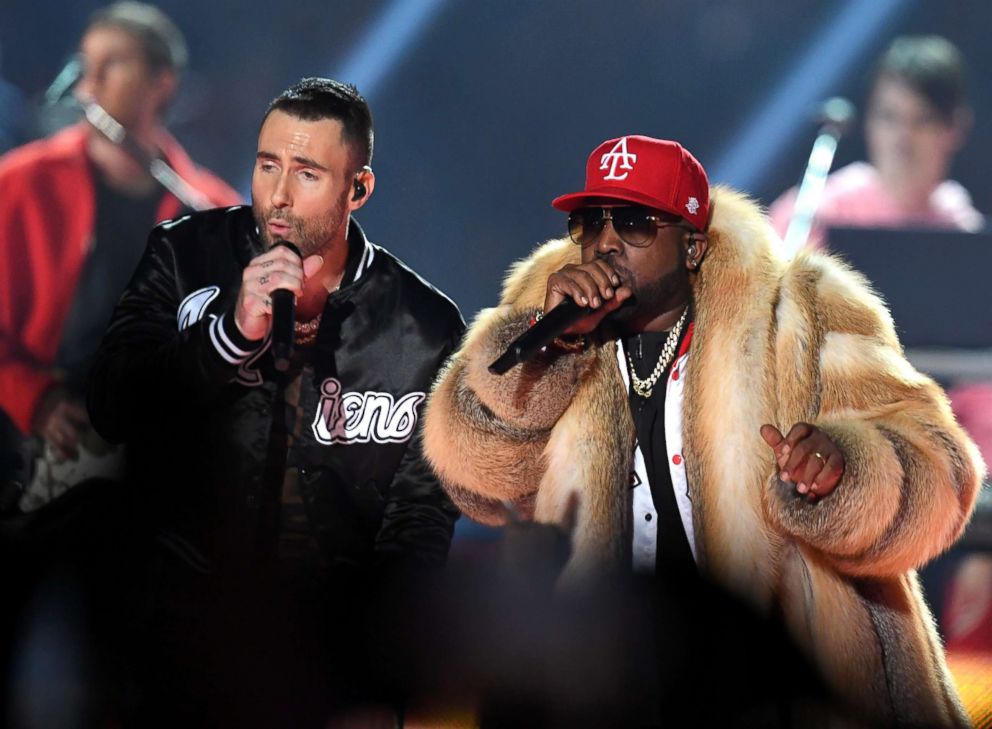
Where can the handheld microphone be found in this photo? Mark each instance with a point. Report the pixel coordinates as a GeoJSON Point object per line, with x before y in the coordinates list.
{"type": "Point", "coordinates": [283, 318]}
{"type": "Point", "coordinates": [540, 335]}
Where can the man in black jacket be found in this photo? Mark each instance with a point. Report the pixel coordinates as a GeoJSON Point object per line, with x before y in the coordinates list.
{"type": "Point", "coordinates": [277, 497]}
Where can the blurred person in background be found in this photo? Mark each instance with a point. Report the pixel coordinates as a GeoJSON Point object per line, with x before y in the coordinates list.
{"type": "Point", "coordinates": [75, 211]}
{"type": "Point", "coordinates": [918, 118]}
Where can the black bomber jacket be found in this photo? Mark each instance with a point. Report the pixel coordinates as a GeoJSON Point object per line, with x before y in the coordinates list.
{"type": "Point", "coordinates": [202, 414]}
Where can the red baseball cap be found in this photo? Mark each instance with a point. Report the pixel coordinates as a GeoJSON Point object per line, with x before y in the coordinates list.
{"type": "Point", "coordinates": [657, 173]}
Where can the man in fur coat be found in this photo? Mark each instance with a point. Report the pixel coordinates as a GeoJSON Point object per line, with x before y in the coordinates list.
{"type": "Point", "coordinates": [758, 420]}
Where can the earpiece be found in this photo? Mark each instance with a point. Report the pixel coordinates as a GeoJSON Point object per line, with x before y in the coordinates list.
{"type": "Point", "coordinates": [359, 190]}
{"type": "Point", "coordinates": [691, 255]}
{"type": "Point", "coordinates": [695, 238]}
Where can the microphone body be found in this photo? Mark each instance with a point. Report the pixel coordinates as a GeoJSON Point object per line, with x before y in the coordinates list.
{"type": "Point", "coordinates": [540, 335]}
{"type": "Point", "coordinates": [283, 319]}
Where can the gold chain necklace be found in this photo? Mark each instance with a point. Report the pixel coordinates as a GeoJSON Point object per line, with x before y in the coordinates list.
{"type": "Point", "coordinates": [645, 387]}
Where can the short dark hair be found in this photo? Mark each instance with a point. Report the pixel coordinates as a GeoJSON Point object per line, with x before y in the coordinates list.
{"type": "Point", "coordinates": [313, 99]}
{"type": "Point", "coordinates": [161, 40]}
{"type": "Point", "coordinates": [930, 65]}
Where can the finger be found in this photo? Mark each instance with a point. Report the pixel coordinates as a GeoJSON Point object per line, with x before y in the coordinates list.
{"type": "Point", "coordinates": [621, 294]}
{"type": "Point", "coordinates": [61, 453]}
{"type": "Point", "coordinates": [588, 287]}
{"type": "Point", "coordinates": [799, 455]}
{"type": "Point", "coordinates": [61, 438]}
{"type": "Point", "coordinates": [70, 445]}
{"type": "Point", "coordinates": [797, 436]}
{"type": "Point", "coordinates": [253, 315]}
{"type": "Point", "coordinates": [552, 298]}
{"type": "Point", "coordinates": [311, 265]}
{"type": "Point", "coordinates": [611, 274]}
{"type": "Point", "coordinates": [75, 413]}
{"type": "Point", "coordinates": [257, 278]}
{"type": "Point", "coordinates": [605, 277]}
{"type": "Point", "coordinates": [561, 287]}
{"type": "Point", "coordinates": [829, 476]}
{"type": "Point", "coordinates": [771, 435]}
{"type": "Point", "coordinates": [806, 475]}
{"type": "Point", "coordinates": [280, 256]}
{"type": "Point", "coordinates": [777, 442]}
{"type": "Point", "coordinates": [277, 253]}
{"type": "Point", "coordinates": [279, 259]}
{"type": "Point", "coordinates": [798, 432]}
{"type": "Point", "coordinates": [55, 430]}
{"type": "Point", "coordinates": [290, 281]}
{"type": "Point", "coordinates": [257, 268]}
{"type": "Point", "coordinates": [258, 305]}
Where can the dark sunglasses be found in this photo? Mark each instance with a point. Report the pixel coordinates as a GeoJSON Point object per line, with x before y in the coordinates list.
{"type": "Point", "coordinates": [634, 225]}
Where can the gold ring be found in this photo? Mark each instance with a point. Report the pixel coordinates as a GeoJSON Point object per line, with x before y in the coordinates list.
{"type": "Point", "coordinates": [820, 456]}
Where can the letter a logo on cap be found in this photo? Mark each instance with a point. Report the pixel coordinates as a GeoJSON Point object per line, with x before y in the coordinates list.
{"type": "Point", "coordinates": [618, 158]}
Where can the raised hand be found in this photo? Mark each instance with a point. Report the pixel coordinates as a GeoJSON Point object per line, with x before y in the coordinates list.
{"type": "Point", "coordinates": [277, 268]}
{"type": "Point", "coordinates": [594, 284]}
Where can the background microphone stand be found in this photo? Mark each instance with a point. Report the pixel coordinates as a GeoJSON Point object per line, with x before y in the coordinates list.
{"type": "Point", "coordinates": [163, 173]}
{"type": "Point", "coordinates": [835, 117]}
{"type": "Point", "coordinates": [113, 130]}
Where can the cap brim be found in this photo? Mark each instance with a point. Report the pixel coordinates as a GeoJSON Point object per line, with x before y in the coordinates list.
{"type": "Point", "coordinates": [575, 200]}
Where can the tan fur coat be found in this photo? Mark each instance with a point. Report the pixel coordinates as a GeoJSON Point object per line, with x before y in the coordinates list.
{"type": "Point", "coordinates": [774, 342]}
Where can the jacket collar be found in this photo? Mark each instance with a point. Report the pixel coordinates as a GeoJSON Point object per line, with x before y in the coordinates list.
{"type": "Point", "coordinates": [361, 255]}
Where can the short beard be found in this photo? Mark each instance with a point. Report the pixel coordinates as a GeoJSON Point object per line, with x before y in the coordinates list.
{"type": "Point", "coordinates": [652, 298]}
{"type": "Point", "coordinates": [310, 235]}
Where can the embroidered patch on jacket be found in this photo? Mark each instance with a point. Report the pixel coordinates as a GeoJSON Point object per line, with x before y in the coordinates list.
{"type": "Point", "coordinates": [194, 306]}
{"type": "Point", "coordinates": [361, 417]}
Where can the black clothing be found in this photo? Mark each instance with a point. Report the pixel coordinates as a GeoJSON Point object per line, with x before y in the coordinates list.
{"type": "Point", "coordinates": [121, 222]}
{"type": "Point", "coordinates": [673, 551]}
{"type": "Point", "coordinates": [235, 634]}
{"type": "Point", "coordinates": [193, 399]}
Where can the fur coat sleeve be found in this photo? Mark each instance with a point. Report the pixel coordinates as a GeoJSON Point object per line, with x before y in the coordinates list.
{"type": "Point", "coordinates": [502, 443]}
{"type": "Point", "coordinates": [911, 474]}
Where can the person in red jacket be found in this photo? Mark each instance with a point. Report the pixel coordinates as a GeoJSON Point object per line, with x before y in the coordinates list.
{"type": "Point", "coordinates": [75, 212]}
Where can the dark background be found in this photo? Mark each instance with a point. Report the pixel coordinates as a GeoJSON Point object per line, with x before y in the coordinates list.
{"type": "Point", "coordinates": [486, 110]}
